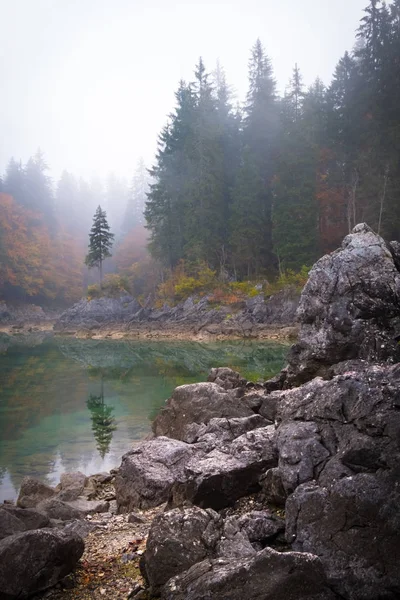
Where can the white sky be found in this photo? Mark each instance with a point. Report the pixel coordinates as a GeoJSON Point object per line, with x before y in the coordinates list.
{"type": "Point", "coordinates": [91, 81]}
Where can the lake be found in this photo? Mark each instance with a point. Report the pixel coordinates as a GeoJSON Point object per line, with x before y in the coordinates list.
{"type": "Point", "coordinates": [68, 404]}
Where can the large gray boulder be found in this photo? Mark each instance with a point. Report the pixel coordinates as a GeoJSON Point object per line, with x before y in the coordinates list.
{"type": "Point", "coordinates": [32, 561]}
{"type": "Point", "coordinates": [339, 456]}
{"type": "Point", "coordinates": [147, 473]}
{"type": "Point", "coordinates": [33, 491]}
{"type": "Point", "coordinates": [268, 575]}
{"type": "Point", "coordinates": [197, 403]}
{"type": "Point", "coordinates": [349, 307]}
{"type": "Point", "coordinates": [178, 540]}
{"type": "Point", "coordinates": [72, 485]}
{"type": "Point", "coordinates": [222, 476]}
{"type": "Point", "coordinates": [14, 520]}
{"type": "Point", "coordinates": [354, 527]}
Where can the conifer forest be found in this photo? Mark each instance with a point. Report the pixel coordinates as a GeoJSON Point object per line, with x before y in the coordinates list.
{"type": "Point", "coordinates": [246, 188]}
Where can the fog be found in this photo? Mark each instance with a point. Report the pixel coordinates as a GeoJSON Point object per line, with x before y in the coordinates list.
{"type": "Point", "coordinates": [91, 82]}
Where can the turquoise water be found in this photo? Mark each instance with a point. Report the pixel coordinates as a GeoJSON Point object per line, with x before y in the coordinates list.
{"type": "Point", "coordinates": [68, 404]}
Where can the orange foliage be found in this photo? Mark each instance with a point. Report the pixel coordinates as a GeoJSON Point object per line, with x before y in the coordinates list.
{"type": "Point", "coordinates": [33, 262]}
{"type": "Point", "coordinates": [132, 249]}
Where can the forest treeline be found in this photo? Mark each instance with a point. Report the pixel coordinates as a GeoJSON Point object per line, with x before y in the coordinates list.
{"type": "Point", "coordinates": [44, 229]}
{"type": "Point", "coordinates": [275, 184]}
{"type": "Point", "coordinates": [248, 191]}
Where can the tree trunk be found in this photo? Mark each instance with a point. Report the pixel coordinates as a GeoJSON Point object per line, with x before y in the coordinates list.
{"type": "Point", "coordinates": [101, 274]}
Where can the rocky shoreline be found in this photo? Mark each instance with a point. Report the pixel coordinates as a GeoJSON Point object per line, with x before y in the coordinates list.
{"type": "Point", "coordinates": [196, 319]}
{"type": "Point", "coordinates": [286, 490]}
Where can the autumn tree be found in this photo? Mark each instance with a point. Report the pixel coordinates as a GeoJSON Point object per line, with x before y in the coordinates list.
{"type": "Point", "coordinates": [100, 242]}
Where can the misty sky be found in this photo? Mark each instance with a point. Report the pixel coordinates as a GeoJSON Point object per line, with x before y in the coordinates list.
{"type": "Point", "coordinates": [91, 81]}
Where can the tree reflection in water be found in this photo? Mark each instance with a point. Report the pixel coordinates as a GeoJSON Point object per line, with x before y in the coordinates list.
{"type": "Point", "coordinates": [103, 422]}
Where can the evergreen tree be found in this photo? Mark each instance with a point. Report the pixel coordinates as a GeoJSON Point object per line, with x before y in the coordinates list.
{"type": "Point", "coordinates": [14, 181]}
{"type": "Point", "coordinates": [67, 202]}
{"type": "Point", "coordinates": [137, 197]}
{"type": "Point", "coordinates": [247, 239]}
{"type": "Point", "coordinates": [167, 205]}
{"type": "Point", "coordinates": [100, 242]}
{"type": "Point", "coordinates": [205, 215]}
{"type": "Point", "coordinates": [38, 192]}
{"type": "Point", "coordinates": [103, 421]}
{"type": "Point", "coordinates": [260, 128]}
{"type": "Point", "coordinates": [294, 212]}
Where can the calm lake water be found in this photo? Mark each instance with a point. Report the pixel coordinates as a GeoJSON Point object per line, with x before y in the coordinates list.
{"type": "Point", "coordinates": [68, 404]}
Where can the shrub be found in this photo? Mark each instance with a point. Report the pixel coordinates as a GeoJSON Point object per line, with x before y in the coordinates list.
{"type": "Point", "coordinates": [289, 278]}
{"type": "Point", "coordinates": [113, 285]}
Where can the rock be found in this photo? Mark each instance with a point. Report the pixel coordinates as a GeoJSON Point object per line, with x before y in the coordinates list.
{"type": "Point", "coordinates": [32, 561]}
{"type": "Point", "coordinates": [339, 452]}
{"type": "Point", "coordinates": [80, 527]}
{"type": "Point", "coordinates": [219, 478]}
{"type": "Point", "coordinates": [260, 526]}
{"type": "Point", "coordinates": [355, 529]}
{"type": "Point", "coordinates": [226, 378]}
{"type": "Point", "coordinates": [268, 575]}
{"type": "Point", "coordinates": [32, 492]}
{"type": "Point", "coordinates": [135, 519]}
{"type": "Point", "coordinates": [89, 507]}
{"type": "Point", "coordinates": [102, 478]}
{"type": "Point", "coordinates": [302, 456]}
{"type": "Point", "coordinates": [72, 485]}
{"type": "Point", "coordinates": [196, 403]}
{"type": "Point", "coordinates": [9, 524]}
{"type": "Point", "coordinates": [272, 487]}
{"type": "Point", "coordinates": [89, 314]}
{"type": "Point", "coordinates": [219, 431]}
{"type": "Point", "coordinates": [349, 308]}
{"type": "Point", "coordinates": [148, 472]}
{"type": "Point", "coordinates": [177, 540]}
{"type": "Point", "coordinates": [55, 509]}
{"type": "Point", "coordinates": [31, 519]}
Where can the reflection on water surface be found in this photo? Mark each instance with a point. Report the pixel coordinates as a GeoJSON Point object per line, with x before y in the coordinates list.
{"type": "Point", "coordinates": [69, 404]}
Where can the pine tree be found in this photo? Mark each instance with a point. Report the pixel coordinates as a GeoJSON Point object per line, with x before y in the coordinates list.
{"type": "Point", "coordinates": [260, 128]}
{"type": "Point", "coordinates": [38, 191]}
{"type": "Point", "coordinates": [100, 242]}
{"type": "Point", "coordinates": [137, 197]}
{"type": "Point", "coordinates": [103, 421]}
{"type": "Point", "coordinates": [294, 213]}
{"type": "Point", "coordinates": [14, 181]}
{"type": "Point", "coordinates": [167, 204]}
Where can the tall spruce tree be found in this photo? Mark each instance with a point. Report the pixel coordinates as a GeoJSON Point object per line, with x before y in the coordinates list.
{"type": "Point", "coordinates": [260, 127]}
{"type": "Point", "coordinates": [14, 181]}
{"type": "Point", "coordinates": [167, 205]}
{"type": "Point", "coordinates": [100, 242]}
{"type": "Point", "coordinates": [38, 190]}
{"type": "Point", "coordinates": [294, 211]}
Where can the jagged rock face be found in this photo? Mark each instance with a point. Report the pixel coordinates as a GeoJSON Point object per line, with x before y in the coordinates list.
{"type": "Point", "coordinates": [339, 456]}
{"type": "Point", "coordinates": [194, 314]}
{"type": "Point", "coordinates": [268, 575]}
{"type": "Point", "coordinates": [180, 538]}
{"type": "Point", "coordinates": [93, 313]}
{"type": "Point", "coordinates": [349, 308]}
{"type": "Point", "coordinates": [148, 472]}
{"type": "Point", "coordinates": [196, 403]}
{"type": "Point", "coordinates": [37, 559]}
